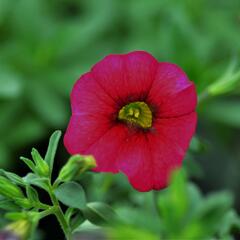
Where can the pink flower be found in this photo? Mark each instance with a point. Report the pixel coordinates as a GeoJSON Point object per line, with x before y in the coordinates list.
{"type": "Point", "coordinates": [135, 115]}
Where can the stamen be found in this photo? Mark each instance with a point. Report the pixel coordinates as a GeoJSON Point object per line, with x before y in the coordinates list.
{"type": "Point", "coordinates": [137, 113]}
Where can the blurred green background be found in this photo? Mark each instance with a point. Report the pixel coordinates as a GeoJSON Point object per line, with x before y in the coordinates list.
{"type": "Point", "coordinates": [45, 45]}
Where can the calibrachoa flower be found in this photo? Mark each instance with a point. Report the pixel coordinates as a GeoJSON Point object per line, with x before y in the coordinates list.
{"type": "Point", "coordinates": [135, 115]}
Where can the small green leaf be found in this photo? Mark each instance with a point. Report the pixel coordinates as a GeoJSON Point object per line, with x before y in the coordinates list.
{"type": "Point", "coordinates": [42, 168]}
{"type": "Point", "coordinates": [29, 163]}
{"type": "Point", "coordinates": [98, 213]}
{"type": "Point", "coordinates": [13, 177]}
{"type": "Point", "coordinates": [32, 194]}
{"type": "Point", "coordinates": [71, 194]}
{"type": "Point", "coordinates": [52, 148]}
{"type": "Point", "coordinates": [33, 179]}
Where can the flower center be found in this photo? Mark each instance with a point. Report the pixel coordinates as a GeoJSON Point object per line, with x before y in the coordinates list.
{"type": "Point", "coordinates": [137, 113]}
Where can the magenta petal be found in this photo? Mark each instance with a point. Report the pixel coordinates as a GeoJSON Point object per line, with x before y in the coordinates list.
{"type": "Point", "coordinates": [135, 161]}
{"type": "Point", "coordinates": [89, 98]}
{"type": "Point", "coordinates": [169, 80]}
{"type": "Point", "coordinates": [178, 130]}
{"type": "Point", "coordinates": [126, 77]}
{"type": "Point", "coordinates": [106, 149]}
{"type": "Point", "coordinates": [179, 104]}
{"type": "Point", "coordinates": [83, 131]}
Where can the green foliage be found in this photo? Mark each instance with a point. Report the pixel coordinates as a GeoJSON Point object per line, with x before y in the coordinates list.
{"type": "Point", "coordinates": [183, 214]}
{"type": "Point", "coordinates": [29, 210]}
{"type": "Point", "coordinates": [187, 215]}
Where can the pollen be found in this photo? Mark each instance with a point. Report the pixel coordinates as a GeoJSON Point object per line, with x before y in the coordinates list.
{"type": "Point", "coordinates": [137, 113]}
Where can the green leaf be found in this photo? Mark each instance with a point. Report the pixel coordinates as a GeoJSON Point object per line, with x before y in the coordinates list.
{"type": "Point", "coordinates": [52, 148]}
{"type": "Point", "coordinates": [99, 213]}
{"type": "Point", "coordinates": [32, 194]}
{"type": "Point", "coordinates": [33, 179]}
{"type": "Point", "coordinates": [207, 220]}
{"type": "Point", "coordinates": [36, 156]}
{"type": "Point", "coordinates": [29, 163]}
{"type": "Point", "coordinates": [71, 194]}
{"type": "Point", "coordinates": [13, 177]}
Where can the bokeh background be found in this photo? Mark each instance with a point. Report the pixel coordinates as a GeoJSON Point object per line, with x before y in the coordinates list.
{"type": "Point", "coordinates": [45, 45]}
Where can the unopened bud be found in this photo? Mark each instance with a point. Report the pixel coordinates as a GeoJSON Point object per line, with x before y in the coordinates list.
{"type": "Point", "coordinates": [75, 166]}
{"type": "Point", "coordinates": [9, 189]}
{"type": "Point", "coordinates": [23, 202]}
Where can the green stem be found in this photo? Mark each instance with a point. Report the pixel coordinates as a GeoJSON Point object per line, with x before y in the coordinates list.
{"type": "Point", "coordinates": [155, 203]}
{"type": "Point", "coordinates": [43, 206]}
{"type": "Point", "coordinates": [59, 214]}
{"type": "Point", "coordinates": [47, 212]}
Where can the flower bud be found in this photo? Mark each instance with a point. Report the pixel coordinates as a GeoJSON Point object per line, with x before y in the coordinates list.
{"type": "Point", "coordinates": [9, 189]}
{"type": "Point", "coordinates": [42, 168]}
{"type": "Point", "coordinates": [23, 202]}
{"type": "Point", "coordinates": [75, 166]}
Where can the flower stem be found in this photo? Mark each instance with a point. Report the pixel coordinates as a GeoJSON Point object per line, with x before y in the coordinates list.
{"type": "Point", "coordinates": [49, 211]}
{"type": "Point", "coordinates": [59, 214]}
{"type": "Point", "coordinates": [155, 203]}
